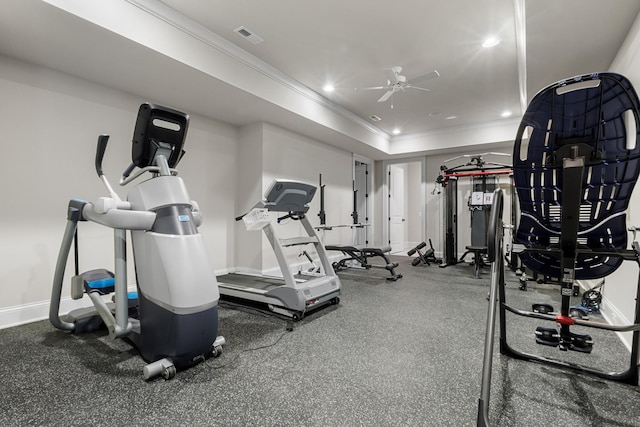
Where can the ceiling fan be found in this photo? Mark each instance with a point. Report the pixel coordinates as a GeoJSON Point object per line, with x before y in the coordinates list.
{"type": "Point", "coordinates": [397, 82]}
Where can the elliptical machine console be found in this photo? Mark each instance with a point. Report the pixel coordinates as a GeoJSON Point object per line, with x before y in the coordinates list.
{"type": "Point", "coordinates": [173, 317]}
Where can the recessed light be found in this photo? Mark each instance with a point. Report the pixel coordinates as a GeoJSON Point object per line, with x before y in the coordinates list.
{"type": "Point", "coordinates": [506, 114]}
{"type": "Point", "coordinates": [490, 42]}
{"type": "Point", "coordinates": [451, 117]}
{"type": "Point", "coordinates": [328, 88]}
{"type": "Point", "coordinates": [396, 131]}
{"type": "Point", "coordinates": [375, 118]}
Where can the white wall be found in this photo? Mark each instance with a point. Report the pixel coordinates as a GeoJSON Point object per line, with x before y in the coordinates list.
{"type": "Point", "coordinates": [249, 185]}
{"type": "Point", "coordinates": [620, 288]}
{"type": "Point", "coordinates": [379, 184]}
{"type": "Point", "coordinates": [209, 170]}
{"type": "Point", "coordinates": [289, 155]}
{"type": "Point", "coordinates": [50, 123]}
{"type": "Point", "coordinates": [414, 200]}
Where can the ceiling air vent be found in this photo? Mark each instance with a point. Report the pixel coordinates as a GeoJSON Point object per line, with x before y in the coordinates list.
{"type": "Point", "coordinates": [249, 35]}
{"type": "Point", "coordinates": [374, 118]}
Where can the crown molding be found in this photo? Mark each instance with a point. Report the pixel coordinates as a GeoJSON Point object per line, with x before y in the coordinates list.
{"type": "Point", "coordinates": [210, 38]}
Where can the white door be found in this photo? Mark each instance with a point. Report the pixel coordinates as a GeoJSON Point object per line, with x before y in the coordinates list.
{"type": "Point", "coordinates": [396, 208]}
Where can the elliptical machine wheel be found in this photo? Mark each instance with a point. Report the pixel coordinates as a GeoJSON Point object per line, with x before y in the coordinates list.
{"type": "Point", "coordinates": [164, 367]}
{"type": "Point", "coordinates": [169, 372]}
{"type": "Point", "coordinates": [216, 351]}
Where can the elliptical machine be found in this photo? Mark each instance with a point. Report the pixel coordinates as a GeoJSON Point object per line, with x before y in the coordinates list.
{"type": "Point", "coordinates": [172, 319]}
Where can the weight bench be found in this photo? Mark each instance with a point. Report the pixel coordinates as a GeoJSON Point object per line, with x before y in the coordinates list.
{"type": "Point", "coordinates": [574, 176]}
{"type": "Point", "coordinates": [478, 258]}
{"type": "Point", "coordinates": [362, 255]}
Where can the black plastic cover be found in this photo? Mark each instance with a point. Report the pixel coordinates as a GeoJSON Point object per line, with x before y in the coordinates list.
{"type": "Point", "coordinates": [156, 127]}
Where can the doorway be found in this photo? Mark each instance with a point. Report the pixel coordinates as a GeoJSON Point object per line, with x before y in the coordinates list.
{"type": "Point", "coordinates": [360, 214]}
{"type": "Point", "coordinates": [405, 210]}
{"type": "Point", "coordinates": [397, 220]}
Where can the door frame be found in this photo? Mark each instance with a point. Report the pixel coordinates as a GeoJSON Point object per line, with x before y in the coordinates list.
{"type": "Point", "coordinates": [398, 178]}
{"type": "Point", "coordinates": [385, 195]}
{"type": "Point", "coordinates": [369, 218]}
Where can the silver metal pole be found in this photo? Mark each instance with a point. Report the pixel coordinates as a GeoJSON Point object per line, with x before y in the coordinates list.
{"type": "Point", "coordinates": [58, 278]}
{"type": "Point", "coordinates": [123, 327]}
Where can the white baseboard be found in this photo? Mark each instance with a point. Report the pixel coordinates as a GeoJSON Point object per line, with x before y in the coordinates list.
{"type": "Point", "coordinates": [610, 312]}
{"type": "Point", "coordinates": [407, 246]}
{"type": "Point", "coordinates": [614, 317]}
{"type": "Point", "coordinates": [34, 312]}
{"type": "Point", "coordinates": [27, 313]}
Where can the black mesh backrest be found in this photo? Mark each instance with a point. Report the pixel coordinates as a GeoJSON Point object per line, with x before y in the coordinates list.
{"type": "Point", "coordinates": [601, 118]}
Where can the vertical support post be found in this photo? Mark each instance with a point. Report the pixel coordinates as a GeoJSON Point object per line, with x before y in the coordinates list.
{"type": "Point", "coordinates": [572, 171]}
{"type": "Point", "coordinates": [322, 214]}
{"type": "Point", "coordinates": [450, 222]}
{"type": "Point", "coordinates": [354, 214]}
{"type": "Point", "coordinates": [635, 339]}
{"type": "Point", "coordinates": [496, 257]}
{"type": "Point", "coordinates": [121, 300]}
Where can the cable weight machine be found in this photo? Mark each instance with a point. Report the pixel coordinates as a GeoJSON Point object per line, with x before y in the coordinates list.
{"type": "Point", "coordinates": [484, 179]}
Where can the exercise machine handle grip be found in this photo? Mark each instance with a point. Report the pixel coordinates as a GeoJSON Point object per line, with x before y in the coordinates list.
{"type": "Point", "coordinates": [494, 229]}
{"type": "Point", "coordinates": [102, 147]}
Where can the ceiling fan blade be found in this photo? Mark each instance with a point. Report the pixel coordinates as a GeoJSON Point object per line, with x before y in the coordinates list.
{"type": "Point", "coordinates": [417, 87]}
{"type": "Point", "coordinates": [431, 75]}
{"type": "Point", "coordinates": [385, 96]}
{"type": "Point", "coordinates": [373, 87]}
{"type": "Point", "coordinates": [391, 75]}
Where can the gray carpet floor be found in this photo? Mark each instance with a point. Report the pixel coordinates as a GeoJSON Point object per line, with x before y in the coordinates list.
{"type": "Point", "coordinates": [405, 353]}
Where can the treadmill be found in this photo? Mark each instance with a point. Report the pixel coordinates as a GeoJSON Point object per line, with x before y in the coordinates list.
{"type": "Point", "coordinates": [291, 295]}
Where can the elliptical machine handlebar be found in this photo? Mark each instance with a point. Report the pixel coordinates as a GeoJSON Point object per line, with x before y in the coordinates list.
{"type": "Point", "coordinates": [161, 167]}
{"type": "Point", "coordinates": [127, 178]}
{"type": "Point", "coordinates": [100, 150]}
